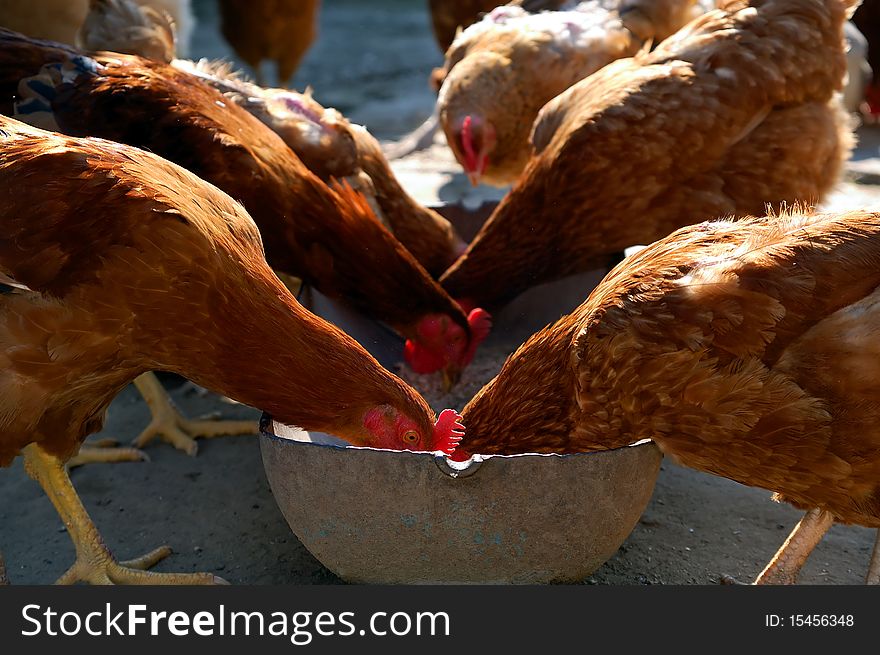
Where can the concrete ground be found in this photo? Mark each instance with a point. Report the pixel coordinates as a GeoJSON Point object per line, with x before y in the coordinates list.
{"type": "Point", "coordinates": [216, 510]}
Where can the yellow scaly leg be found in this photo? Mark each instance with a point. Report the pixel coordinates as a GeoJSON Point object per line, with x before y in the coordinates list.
{"type": "Point", "coordinates": [171, 427]}
{"type": "Point", "coordinates": [873, 576]}
{"type": "Point", "coordinates": [94, 562]}
{"type": "Point", "coordinates": [790, 558]}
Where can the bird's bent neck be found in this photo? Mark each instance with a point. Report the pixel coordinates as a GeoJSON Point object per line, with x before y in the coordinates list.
{"type": "Point", "coordinates": [529, 406]}
{"type": "Point", "coordinates": [519, 247]}
{"type": "Point", "coordinates": [265, 350]}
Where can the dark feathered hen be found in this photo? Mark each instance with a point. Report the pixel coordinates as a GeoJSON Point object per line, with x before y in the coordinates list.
{"type": "Point", "coordinates": [734, 111]}
{"type": "Point", "coordinates": [867, 20]}
{"type": "Point", "coordinates": [747, 349]}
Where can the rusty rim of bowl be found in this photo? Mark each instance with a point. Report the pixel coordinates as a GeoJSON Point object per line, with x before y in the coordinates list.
{"type": "Point", "coordinates": [451, 468]}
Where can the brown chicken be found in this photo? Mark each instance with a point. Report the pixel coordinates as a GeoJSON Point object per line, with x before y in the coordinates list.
{"type": "Point", "coordinates": [114, 262]}
{"type": "Point", "coordinates": [277, 30]}
{"type": "Point", "coordinates": [345, 254]}
{"type": "Point", "coordinates": [502, 70]}
{"type": "Point", "coordinates": [656, 20]}
{"type": "Point", "coordinates": [743, 348]}
{"type": "Point", "coordinates": [144, 27]}
{"type": "Point", "coordinates": [59, 20]}
{"type": "Point", "coordinates": [734, 111]}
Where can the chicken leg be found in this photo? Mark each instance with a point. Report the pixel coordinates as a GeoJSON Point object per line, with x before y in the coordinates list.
{"type": "Point", "coordinates": [171, 427]}
{"type": "Point", "coordinates": [873, 576]}
{"type": "Point", "coordinates": [94, 563]}
{"type": "Point", "coordinates": [788, 560]}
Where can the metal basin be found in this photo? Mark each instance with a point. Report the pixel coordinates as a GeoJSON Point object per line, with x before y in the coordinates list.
{"type": "Point", "coordinates": [392, 517]}
{"type": "Point", "coordinates": [388, 517]}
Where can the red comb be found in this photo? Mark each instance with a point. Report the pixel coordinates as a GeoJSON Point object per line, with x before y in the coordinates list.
{"type": "Point", "coordinates": [448, 431]}
{"type": "Point", "coordinates": [420, 359]}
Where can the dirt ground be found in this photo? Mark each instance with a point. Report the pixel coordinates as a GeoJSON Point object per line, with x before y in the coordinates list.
{"type": "Point", "coordinates": [216, 510]}
{"type": "Point", "coordinates": [217, 513]}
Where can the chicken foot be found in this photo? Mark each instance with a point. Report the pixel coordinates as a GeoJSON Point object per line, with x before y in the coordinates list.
{"type": "Point", "coordinates": [105, 450]}
{"type": "Point", "coordinates": [94, 562]}
{"type": "Point", "coordinates": [168, 424]}
{"type": "Point", "coordinates": [788, 560]}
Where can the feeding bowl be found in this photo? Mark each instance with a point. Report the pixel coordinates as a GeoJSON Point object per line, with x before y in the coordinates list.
{"type": "Point", "coordinates": [400, 517]}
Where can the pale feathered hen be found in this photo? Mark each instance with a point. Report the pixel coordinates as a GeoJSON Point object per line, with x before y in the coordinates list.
{"type": "Point", "coordinates": [734, 111]}
{"type": "Point", "coordinates": [62, 20]}
{"type": "Point", "coordinates": [500, 71]}
{"type": "Point", "coordinates": [128, 27]}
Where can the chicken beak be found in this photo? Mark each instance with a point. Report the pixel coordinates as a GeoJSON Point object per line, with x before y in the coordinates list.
{"type": "Point", "coordinates": [451, 376]}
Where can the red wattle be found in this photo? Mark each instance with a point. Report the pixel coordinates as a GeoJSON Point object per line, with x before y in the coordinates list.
{"type": "Point", "coordinates": [471, 161]}
{"type": "Point", "coordinates": [421, 360]}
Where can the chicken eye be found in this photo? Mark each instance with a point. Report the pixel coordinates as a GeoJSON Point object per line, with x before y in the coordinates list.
{"type": "Point", "coordinates": [410, 436]}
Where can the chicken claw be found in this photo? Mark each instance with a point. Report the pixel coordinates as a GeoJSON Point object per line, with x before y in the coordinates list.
{"type": "Point", "coordinates": [98, 567]}
{"type": "Point", "coordinates": [786, 564]}
{"type": "Point", "coordinates": [105, 450]}
{"type": "Point", "coordinates": [168, 424]}
{"type": "Point", "coordinates": [94, 562]}
{"type": "Point", "coordinates": [873, 576]}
